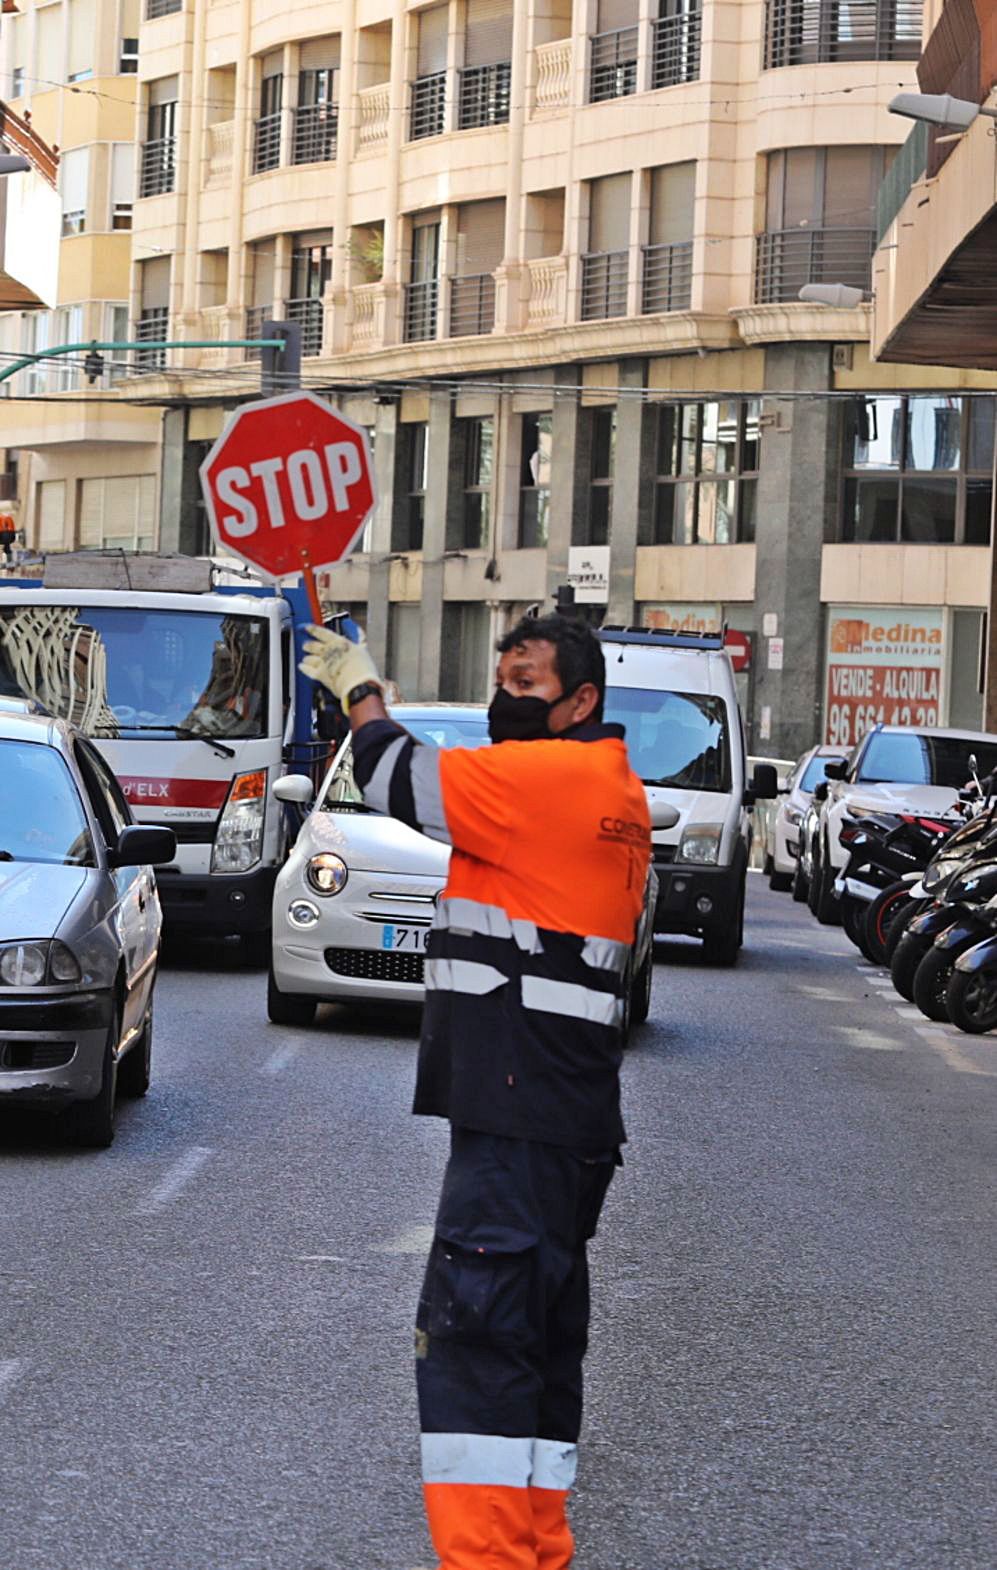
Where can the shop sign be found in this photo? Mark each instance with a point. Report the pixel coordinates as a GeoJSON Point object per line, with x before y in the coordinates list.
{"type": "Point", "coordinates": [884, 666]}
{"type": "Point", "coordinates": [588, 573]}
{"type": "Point", "coordinates": [681, 617]}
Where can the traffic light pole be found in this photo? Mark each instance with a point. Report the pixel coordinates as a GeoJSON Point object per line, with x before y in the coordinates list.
{"type": "Point", "coordinates": [147, 346]}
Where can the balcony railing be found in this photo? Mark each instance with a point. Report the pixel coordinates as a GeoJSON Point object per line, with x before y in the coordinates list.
{"type": "Point", "coordinates": [154, 8]}
{"type": "Point", "coordinates": [553, 89]}
{"type": "Point", "coordinates": [909, 166]}
{"type": "Point", "coordinates": [266, 142]}
{"type": "Point", "coordinates": [429, 95]}
{"type": "Point", "coordinates": [256, 315]}
{"type": "Point", "coordinates": [420, 310]}
{"type": "Point", "coordinates": [548, 278]}
{"type": "Point", "coordinates": [152, 326]}
{"type": "Point", "coordinates": [786, 259]}
{"type": "Point", "coordinates": [604, 285]}
{"type": "Point", "coordinates": [613, 64]}
{"type": "Point", "coordinates": [484, 95]}
{"type": "Point", "coordinates": [472, 305]}
{"type": "Point", "coordinates": [159, 167]}
{"type": "Point", "coordinates": [812, 32]}
{"type": "Point", "coordinates": [375, 112]}
{"type": "Point", "coordinates": [316, 128]}
{"type": "Point", "coordinates": [666, 284]}
{"type": "Point", "coordinates": [676, 48]}
{"type": "Point", "coordinates": [308, 312]}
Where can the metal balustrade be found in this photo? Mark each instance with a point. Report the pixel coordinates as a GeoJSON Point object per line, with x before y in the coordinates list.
{"type": "Point", "coordinates": [256, 315]}
{"type": "Point", "coordinates": [604, 285]}
{"type": "Point", "coordinates": [316, 128]}
{"type": "Point", "coordinates": [613, 64]}
{"type": "Point", "coordinates": [786, 259]}
{"type": "Point", "coordinates": [152, 326]}
{"type": "Point", "coordinates": [666, 283]}
{"type": "Point", "coordinates": [266, 142]}
{"type": "Point", "coordinates": [815, 32]}
{"type": "Point", "coordinates": [158, 169]}
{"type": "Point", "coordinates": [484, 95]}
{"type": "Point", "coordinates": [308, 312]}
{"type": "Point", "coordinates": [676, 47]}
{"type": "Point", "coordinates": [421, 301]}
{"type": "Point", "coordinates": [154, 8]}
{"type": "Point", "coordinates": [472, 305]}
{"type": "Point", "coordinates": [429, 94]}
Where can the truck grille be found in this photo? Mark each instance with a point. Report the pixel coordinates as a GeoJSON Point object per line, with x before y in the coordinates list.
{"type": "Point", "coordinates": [16, 1056]}
{"type": "Point", "coordinates": [662, 855]}
{"type": "Point", "coordinates": [376, 965]}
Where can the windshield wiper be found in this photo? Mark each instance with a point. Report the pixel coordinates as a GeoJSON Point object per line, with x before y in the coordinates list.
{"type": "Point", "coordinates": [223, 750]}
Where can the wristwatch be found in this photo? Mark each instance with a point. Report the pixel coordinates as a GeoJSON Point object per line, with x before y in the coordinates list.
{"type": "Point", "coordinates": [365, 689]}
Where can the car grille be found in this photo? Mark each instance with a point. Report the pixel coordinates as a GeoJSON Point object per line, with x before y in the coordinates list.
{"type": "Point", "coordinates": [16, 1056]}
{"type": "Point", "coordinates": [662, 855]}
{"type": "Point", "coordinates": [376, 965]}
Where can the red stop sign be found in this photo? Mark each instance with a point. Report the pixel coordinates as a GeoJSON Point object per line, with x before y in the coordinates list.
{"type": "Point", "coordinates": [289, 484]}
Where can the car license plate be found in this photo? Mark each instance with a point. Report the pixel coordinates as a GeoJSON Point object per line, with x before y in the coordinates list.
{"type": "Point", "coordinates": [412, 939]}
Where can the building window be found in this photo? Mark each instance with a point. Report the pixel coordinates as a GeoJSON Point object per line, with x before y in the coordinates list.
{"type": "Point", "coordinates": [479, 452]}
{"type": "Point", "coordinates": [68, 329]}
{"type": "Point", "coordinates": [812, 32]}
{"type": "Point", "coordinates": [316, 119]}
{"type": "Point", "coordinates": [422, 292]}
{"type": "Point", "coordinates": [128, 57]}
{"type": "Point", "coordinates": [666, 260]}
{"type": "Point", "coordinates": [820, 219]}
{"type": "Point", "coordinates": [115, 362]}
{"type": "Point", "coordinates": [158, 171]}
{"type": "Point", "coordinates": [605, 265]}
{"type": "Point", "coordinates": [613, 51]}
{"type": "Point", "coordinates": [17, 81]}
{"type": "Point", "coordinates": [534, 479]}
{"type": "Point", "coordinates": [266, 131]}
{"type": "Point", "coordinates": [311, 271]}
{"type": "Point", "coordinates": [676, 43]}
{"type": "Point", "coordinates": [122, 184]}
{"type": "Point", "coordinates": [487, 75]}
{"type": "Point", "coordinates": [707, 473]}
{"type": "Point", "coordinates": [118, 513]}
{"type": "Point", "coordinates": [427, 112]}
{"type": "Point", "coordinates": [407, 523]}
{"type": "Point", "coordinates": [157, 8]}
{"type": "Point", "coordinates": [36, 336]}
{"type": "Point", "coordinates": [918, 470]}
{"type": "Point", "coordinates": [74, 175]}
{"type": "Point", "coordinates": [603, 449]}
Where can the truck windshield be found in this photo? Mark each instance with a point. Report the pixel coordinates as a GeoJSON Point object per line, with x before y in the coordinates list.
{"type": "Point", "coordinates": [125, 672]}
{"type": "Point", "coordinates": [674, 738]}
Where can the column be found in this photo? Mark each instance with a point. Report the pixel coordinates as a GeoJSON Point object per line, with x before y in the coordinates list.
{"type": "Point", "coordinates": [190, 317]}
{"type": "Point", "coordinates": [336, 343]}
{"type": "Point", "coordinates": [241, 132]}
{"type": "Point", "coordinates": [179, 487]}
{"type": "Point", "coordinates": [386, 479]}
{"type": "Point", "coordinates": [434, 542]}
{"type": "Point", "coordinates": [633, 489]}
{"type": "Point", "coordinates": [508, 277]}
{"type": "Point", "coordinates": [397, 124]}
{"type": "Point", "coordinates": [569, 475]}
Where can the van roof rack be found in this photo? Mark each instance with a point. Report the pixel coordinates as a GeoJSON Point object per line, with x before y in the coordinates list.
{"type": "Point", "coordinates": [652, 637]}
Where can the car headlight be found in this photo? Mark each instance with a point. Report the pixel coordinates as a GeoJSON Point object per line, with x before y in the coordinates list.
{"type": "Point", "coordinates": [34, 964]}
{"type": "Point", "coordinates": [327, 873]}
{"type": "Point", "coordinates": [794, 816]}
{"type": "Point", "coordinates": [239, 837]}
{"type": "Point", "coordinates": [939, 872]}
{"type": "Point", "coordinates": [701, 844]}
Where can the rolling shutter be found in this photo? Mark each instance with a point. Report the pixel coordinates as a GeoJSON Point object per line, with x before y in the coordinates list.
{"type": "Point", "coordinates": [319, 54]}
{"type": "Point", "coordinates": [74, 174]}
{"type": "Point", "coordinates": [616, 13]}
{"type": "Point", "coordinates": [673, 190]}
{"type": "Point", "coordinates": [82, 39]}
{"type": "Point", "coordinates": [155, 283]}
{"type": "Point", "coordinates": [489, 32]}
{"type": "Point", "coordinates": [261, 289]}
{"type": "Point", "coordinates": [91, 514]}
{"type": "Point", "coordinates": [51, 514]}
{"type": "Point", "coordinates": [609, 213]}
{"type": "Point", "coordinates": [432, 51]}
{"type": "Point", "coordinates": [480, 237]}
{"type": "Point", "coordinates": [122, 174]}
{"type": "Point", "coordinates": [48, 48]}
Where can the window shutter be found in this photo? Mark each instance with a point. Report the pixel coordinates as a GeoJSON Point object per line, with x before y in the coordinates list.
{"type": "Point", "coordinates": [16, 28]}
{"type": "Point", "coordinates": [91, 514]}
{"type": "Point", "coordinates": [489, 32]}
{"type": "Point", "coordinates": [273, 63]}
{"type": "Point", "coordinates": [319, 54]}
{"type": "Point", "coordinates": [796, 202]}
{"type": "Point", "coordinates": [164, 91]}
{"type": "Point", "coordinates": [145, 522]}
{"type": "Point", "coordinates": [48, 49]}
{"type": "Point", "coordinates": [122, 174]}
{"type": "Point", "coordinates": [673, 189]}
{"type": "Point", "coordinates": [851, 179]}
{"type": "Point", "coordinates": [609, 213]}
{"type": "Point", "coordinates": [74, 171]}
{"type": "Point", "coordinates": [155, 283]}
{"type": "Point", "coordinates": [263, 273]}
{"type": "Point", "coordinates": [616, 13]}
{"type": "Point", "coordinates": [51, 514]}
{"type": "Point", "coordinates": [82, 38]}
{"type": "Point", "coordinates": [432, 51]}
{"type": "Point", "coordinates": [480, 237]}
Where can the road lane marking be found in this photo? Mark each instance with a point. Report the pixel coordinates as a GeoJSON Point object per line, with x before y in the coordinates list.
{"type": "Point", "coordinates": [11, 1369]}
{"type": "Point", "coordinates": [957, 1060]}
{"type": "Point", "coordinates": [416, 1240]}
{"type": "Point", "coordinates": [178, 1176]}
{"type": "Point", "coordinates": [824, 994]}
{"type": "Point", "coordinates": [321, 1259]}
{"type": "Point", "coordinates": [907, 1011]}
{"type": "Point", "coordinates": [278, 1061]}
{"type": "Point", "coordinates": [867, 1040]}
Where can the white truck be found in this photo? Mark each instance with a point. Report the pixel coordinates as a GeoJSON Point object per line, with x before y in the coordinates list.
{"type": "Point", "coordinates": [189, 686]}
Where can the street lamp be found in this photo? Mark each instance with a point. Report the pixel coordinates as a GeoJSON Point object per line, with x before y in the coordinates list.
{"type": "Point", "coordinates": [13, 163]}
{"type": "Point", "coordinates": [835, 294]}
{"type": "Point", "coordinates": [941, 109]}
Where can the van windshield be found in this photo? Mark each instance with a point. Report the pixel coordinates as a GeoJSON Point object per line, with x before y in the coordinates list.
{"type": "Point", "coordinates": [674, 738]}
{"type": "Point", "coordinates": [120, 671]}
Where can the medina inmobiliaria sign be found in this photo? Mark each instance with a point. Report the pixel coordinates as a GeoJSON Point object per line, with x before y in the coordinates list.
{"type": "Point", "coordinates": [884, 665]}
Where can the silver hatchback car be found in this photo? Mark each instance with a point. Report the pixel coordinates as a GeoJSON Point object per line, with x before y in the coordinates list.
{"type": "Point", "coordinates": [79, 927]}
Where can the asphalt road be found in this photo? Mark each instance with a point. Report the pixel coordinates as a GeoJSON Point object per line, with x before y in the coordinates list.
{"type": "Point", "coordinates": [205, 1332]}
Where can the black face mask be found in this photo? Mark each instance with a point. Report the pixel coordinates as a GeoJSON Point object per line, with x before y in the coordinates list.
{"type": "Point", "coordinates": [520, 719]}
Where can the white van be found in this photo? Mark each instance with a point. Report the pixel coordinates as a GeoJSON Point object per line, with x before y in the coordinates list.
{"type": "Point", "coordinates": [675, 694]}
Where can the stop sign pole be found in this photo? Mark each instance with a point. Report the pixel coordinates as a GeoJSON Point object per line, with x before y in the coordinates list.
{"type": "Point", "coordinates": [288, 487]}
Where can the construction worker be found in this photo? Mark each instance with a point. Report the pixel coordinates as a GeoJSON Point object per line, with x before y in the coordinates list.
{"type": "Point", "coordinates": [520, 1050]}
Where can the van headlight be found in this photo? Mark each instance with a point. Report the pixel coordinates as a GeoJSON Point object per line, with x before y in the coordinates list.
{"type": "Point", "coordinates": [701, 844]}
{"type": "Point", "coordinates": [35, 964]}
{"type": "Point", "coordinates": [239, 837]}
{"type": "Point", "coordinates": [327, 873]}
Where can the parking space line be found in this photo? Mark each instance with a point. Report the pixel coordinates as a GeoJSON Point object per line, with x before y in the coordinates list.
{"type": "Point", "coordinates": [907, 1011]}
{"type": "Point", "coordinates": [11, 1369]}
{"type": "Point", "coordinates": [177, 1177]}
{"type": "Point", "coordinates": [867, 1040]}
{"type": "Point", "coordinates": [279, 1060]}
{"type": "Point", "coordinates": [957, 1060]}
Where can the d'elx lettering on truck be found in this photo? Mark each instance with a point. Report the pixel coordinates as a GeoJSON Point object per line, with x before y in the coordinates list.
{"type": "Point", "coordinates": [315, 488]}
{"type": "Point", "coordinates": [146, 790]}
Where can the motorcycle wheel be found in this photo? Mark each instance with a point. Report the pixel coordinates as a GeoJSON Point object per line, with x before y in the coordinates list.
{"type": "Point", "coordinates": [898, 926]}
{"type": "Point", "coordinates": [879, 917]}
{"type": "Point", "coordinates": [907, 955]}
{"type": "Point", "coordinates": [931, 981]}
{"type": "Point", "coordinates": [971, 1000]}
{"type": "Point", "coordinates": [853, 920]}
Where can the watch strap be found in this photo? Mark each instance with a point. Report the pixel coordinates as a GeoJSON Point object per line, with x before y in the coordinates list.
{"type": "Point", "coordinates": [365, 689]}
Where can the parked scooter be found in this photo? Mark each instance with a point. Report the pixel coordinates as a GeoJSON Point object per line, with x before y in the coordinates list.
{"type": "Point", "coordinates": [971, 995]}
{"type": "Point", "coordinates": [967, 916]}
{"type": "Point", "coordinates": [953, 896]}
{"type": "Point", "coordinates": [884, 849]}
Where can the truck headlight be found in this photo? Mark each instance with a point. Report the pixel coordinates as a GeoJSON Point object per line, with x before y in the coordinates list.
{"type": "Point", "coordinates": [701, 844]}
{"type": "Point", "coordinates": [327, 873]}
{"type": "Point", "coordinates": [239, 837]}
{"type": "Point", "coordinates": [34, 964]}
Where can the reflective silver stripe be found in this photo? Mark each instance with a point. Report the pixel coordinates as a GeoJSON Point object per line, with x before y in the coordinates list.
{"type": "Point", "coordinates": [476, 1458]}
{"type": "Point", "coordinates": [469, 917]}
{"type": "Point", "coordinates": [555, 1463]}
{"type": "Point", "coordinates": [605, 954]}
{"type": "Point", "coordinates": [462, 975]}
{"type": "Point", "coordinates": [574, 1002]}
{"type": "Point", "coordinates": [379, 784]}
{"type": "Point", "coordinates": [427, 792]}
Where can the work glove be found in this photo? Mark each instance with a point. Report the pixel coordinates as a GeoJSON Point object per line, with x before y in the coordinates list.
{"type": "Point", "coordinates": [338, 663]}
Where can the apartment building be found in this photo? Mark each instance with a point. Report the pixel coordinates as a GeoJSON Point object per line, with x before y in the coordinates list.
{"type": "Point", "coordinates": [81, 471]}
